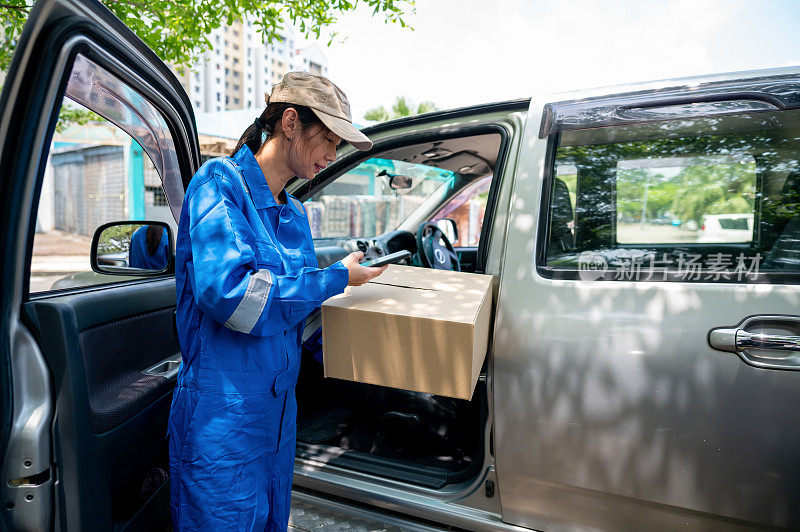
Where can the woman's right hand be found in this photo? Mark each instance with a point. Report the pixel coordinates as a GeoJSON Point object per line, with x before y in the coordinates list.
{"type": "Point", "coordinates": [359, 274]}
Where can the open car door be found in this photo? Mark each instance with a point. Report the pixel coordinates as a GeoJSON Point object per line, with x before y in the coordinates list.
{"type": "Point", "coordinates": [83, 425]}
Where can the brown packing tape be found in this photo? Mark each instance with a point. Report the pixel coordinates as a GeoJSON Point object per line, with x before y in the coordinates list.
{"type": "Point", "coordinates": [402, 286]}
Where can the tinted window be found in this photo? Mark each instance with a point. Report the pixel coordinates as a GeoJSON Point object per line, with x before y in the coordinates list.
{"type": "Point", "coordinates": [696, 199]}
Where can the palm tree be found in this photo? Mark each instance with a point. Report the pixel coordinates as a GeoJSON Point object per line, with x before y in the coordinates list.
{"type": "Point", "coordinates": [401, 107]}
{"type": "Point", "coordinates": [715, 189]}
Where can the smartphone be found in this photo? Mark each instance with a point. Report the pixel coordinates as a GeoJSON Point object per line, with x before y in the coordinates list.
{"type": "Point", "coordinates": [387, 259]}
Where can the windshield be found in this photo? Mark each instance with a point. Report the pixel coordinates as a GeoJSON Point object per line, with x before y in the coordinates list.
{"type": "Point", "coordinates": [374, 197]}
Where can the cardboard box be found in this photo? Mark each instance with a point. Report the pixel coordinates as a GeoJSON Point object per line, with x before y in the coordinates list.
{"type": "Point", "coordinates": [410, 328]}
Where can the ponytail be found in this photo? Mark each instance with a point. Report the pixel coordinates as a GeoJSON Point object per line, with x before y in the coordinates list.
{"type": "Point", "coordinates": [263, 127]}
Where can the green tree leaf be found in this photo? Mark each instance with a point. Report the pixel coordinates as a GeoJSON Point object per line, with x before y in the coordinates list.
{"type": "Point", "coordinates": [177, 30]}
{"type": "Point", "coordinates": [402, 107]}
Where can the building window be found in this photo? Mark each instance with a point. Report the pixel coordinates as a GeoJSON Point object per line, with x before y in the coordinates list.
{"type": "Point", "coordinates": [235, 47]}
{"type": "Point", "coordinates": [227, 72]}
{"type": "Point", "coordinates": [219, 97]}
{"type": "Point", "coordinates": [227, 100]}
{"type": "Point", "coordinates": [236, 87]}
{"type": "Point", "coordinates": [155, 196]}
{"type": "Point", "coordinates": [236, 101]}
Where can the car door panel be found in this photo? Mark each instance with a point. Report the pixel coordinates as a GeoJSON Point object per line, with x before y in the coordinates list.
{"type": "Point", "coordinates": [96, 344]}
{"type": "Point", "coordinates": [468, 256]}
{"type": "Point", "coordinates": [83, 350]}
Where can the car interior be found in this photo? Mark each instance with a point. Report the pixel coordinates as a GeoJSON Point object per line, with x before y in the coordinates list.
{"type": "Point", "coordinates": [414, 437]}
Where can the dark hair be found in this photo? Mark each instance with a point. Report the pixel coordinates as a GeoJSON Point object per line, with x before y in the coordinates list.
{"type": "Point", "coordinates": [153, 238]}
{"type": "Point", "coordinates": [270, 117]}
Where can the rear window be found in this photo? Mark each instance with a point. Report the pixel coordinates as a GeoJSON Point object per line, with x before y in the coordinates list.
{"type": "Point", "coordinates": [695, 199]}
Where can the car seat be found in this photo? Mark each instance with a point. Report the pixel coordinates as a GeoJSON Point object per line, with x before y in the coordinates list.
{"type": "Point", "coordinates": [785, 253]}
{"type": "Point", "coordinates": [562, 239]}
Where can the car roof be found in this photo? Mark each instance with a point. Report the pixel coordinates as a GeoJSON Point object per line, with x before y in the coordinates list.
{"type": "Point", "coordinates": [522, 104]}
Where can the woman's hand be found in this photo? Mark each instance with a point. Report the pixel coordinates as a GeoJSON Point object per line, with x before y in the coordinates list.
{"type": "Point", "coordinates": [360, 274]}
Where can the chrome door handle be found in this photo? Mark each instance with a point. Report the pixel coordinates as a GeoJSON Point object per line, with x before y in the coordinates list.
{"type": "Point", "coordinates": [762, 341]}
{"type": "Point", "coordinates": [746, 340]}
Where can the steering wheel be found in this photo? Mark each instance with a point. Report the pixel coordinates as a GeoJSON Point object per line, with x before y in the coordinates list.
{"type": "Point", "coordinates": [435, 250]}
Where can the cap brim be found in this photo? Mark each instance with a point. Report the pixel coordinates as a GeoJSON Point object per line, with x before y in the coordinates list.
{"type": "Point", "coordinates": [345, 130]}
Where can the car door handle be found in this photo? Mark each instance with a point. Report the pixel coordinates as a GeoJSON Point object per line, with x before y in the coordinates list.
{"type": "Point", "coordinates": [746, 340]}
{"type": "Point", "coordinates": [761, 341]}
{"type": "Point", "coordinates": [735, 340]}
{"type": "Point", "coordinates": [167, 368]}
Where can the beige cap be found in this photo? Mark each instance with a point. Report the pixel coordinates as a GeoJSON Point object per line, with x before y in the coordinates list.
{"type": "Point", "coordinates": [327, 101]}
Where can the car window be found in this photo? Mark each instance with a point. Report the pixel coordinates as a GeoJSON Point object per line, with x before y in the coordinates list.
{"type": "Point", "coordinates": [467, 209]}
{"type": "Point", "coordinates": [695, 199]}
{"type": "Point", "coordinates": [361, 202]}
{"type": "Point", "coordinates": [96, 173]}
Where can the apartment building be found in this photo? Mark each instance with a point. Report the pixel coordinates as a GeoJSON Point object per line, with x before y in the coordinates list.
{"type": "Point", "coordinates": [239, 68]}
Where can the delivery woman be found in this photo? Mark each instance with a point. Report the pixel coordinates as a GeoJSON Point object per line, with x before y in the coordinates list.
{"type": "Point", "coordinates": [247, 278]}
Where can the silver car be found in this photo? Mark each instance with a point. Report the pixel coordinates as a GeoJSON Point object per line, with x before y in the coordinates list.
{"type": "Point", "coordinates": [640, 375]}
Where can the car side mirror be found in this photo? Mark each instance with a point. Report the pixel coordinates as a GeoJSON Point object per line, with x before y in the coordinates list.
{"type": "Point", "coordinates": [449, 228]}
{"type": "Point", "coordinates": [133, 248]}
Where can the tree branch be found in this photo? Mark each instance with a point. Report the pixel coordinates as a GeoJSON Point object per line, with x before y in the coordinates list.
{"type": "Point", "coordinates": [24, 9]}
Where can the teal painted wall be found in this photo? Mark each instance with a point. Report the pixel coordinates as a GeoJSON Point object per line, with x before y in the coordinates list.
{"type": "Point", "coordinates": [136, 182]}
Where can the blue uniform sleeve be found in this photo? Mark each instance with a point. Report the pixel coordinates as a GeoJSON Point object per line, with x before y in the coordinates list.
{"type": "Point", "coordinates": [227, 282]}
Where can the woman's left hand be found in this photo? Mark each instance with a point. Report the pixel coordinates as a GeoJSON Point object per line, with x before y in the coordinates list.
{"type": "Point", "coordinates": [359, 274]}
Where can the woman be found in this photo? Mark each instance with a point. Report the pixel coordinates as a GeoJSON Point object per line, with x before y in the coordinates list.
{"type": "Point", "coordinates": [247, 277]}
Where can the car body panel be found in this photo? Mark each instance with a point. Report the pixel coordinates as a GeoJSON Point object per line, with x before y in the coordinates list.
{"type": "Point", "coordinates": [611, 410]}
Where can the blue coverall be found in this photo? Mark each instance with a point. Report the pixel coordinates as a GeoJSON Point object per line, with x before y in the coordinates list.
{"type": "Point", "coordinates": [247, 278]}
{"type": "Point", "coordinates": [138, 255]}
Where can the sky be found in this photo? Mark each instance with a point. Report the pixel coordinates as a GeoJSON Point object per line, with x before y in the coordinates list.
{"type": "Point", "coordinates": [466, 52]}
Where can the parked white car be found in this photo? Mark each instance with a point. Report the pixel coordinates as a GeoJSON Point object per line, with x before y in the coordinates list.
{"type": "Point", "coordinates": [726, 228]}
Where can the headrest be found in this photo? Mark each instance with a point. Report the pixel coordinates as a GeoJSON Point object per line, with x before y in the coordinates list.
{"type": "Point", "coordinates": [790, 193]}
